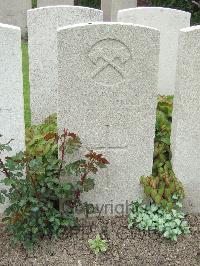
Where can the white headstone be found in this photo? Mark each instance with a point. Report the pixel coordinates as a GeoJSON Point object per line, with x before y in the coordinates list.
{"type": "Point", "coordinates": [14, 12]}
{"type": "Point", "coordinates": [111, 7]}
{"type": "Point", "coordinates": [169, 22]}
{"type": "Point", "coordinates": [41, 3]}
{"type": "Point", "coordinates": [107, 94]}
{"type": "Point", "coordinates": [11, 90]}
{"type": "Point", "coordinates": [42, 26]}
{"type": "Point", "coordinates": [186, 117]}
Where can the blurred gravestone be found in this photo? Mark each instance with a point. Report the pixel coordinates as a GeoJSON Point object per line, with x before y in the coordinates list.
{"type": "Point", "coordinates": [169, 22]}
{"type": "Point", "coordinates": [41, 3]}
{"type": "Point", "coordinates": [42, 26]}
{"type": "Point", "coordinates": [14, 12]}
{"type": "Point", "coordinates": [11, 91]}
{"type": "Point", "coordinates": [186, 117]}
{"type": "Point", "coordinates": [111, 7]}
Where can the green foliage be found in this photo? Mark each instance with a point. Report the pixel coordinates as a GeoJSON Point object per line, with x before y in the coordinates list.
{"type": "Point", "coordinates": [41, 139]}
{"type": "Point", "coordinates": [98, 245]}
{"type": "Point", "coordinates": [186, 5]}
{"type": "Point", "coordinates": [91, 3]}
{"type": "Point", "coordinates": [34, 184]}
{"type": "Point", "coordinates": [25, 64]}
{"type": "Point", "coordinates": [154, 218]}
{"type": "Point", "coordinates": [34, 3]}
{"type": "Point", "coordinates": [163, 184]}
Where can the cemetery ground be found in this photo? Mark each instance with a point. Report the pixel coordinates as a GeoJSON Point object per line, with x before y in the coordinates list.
{"type": "Point", "coordinates": [125, 246]}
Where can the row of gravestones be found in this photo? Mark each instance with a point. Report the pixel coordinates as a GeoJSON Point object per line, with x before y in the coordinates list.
{"type": "Point", "coordinates": [15, 12]}
{"type": "Point", "coordinates": [102, 80]}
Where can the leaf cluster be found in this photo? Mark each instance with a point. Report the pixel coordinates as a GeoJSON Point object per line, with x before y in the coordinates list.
{"type": "Point", "coordinates": [153, 217]}
{"type": "Point", "coordinates": [162, 185]}
{"type": "Point", "coordinates": [98, 245]}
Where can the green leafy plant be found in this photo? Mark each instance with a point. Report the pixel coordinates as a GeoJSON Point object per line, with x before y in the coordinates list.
{"type": "Point", "coordinates": [34, 183]}
{"type": "Point", "coordinates": [89, 3]}
{"type": "Point", "coordinates": [41, 139]}
{"type": "Point", "coordinates": [162, 185]}
{"type": "Point", "coordinates": [162, 152]}
{"type": "Point", "coordinates": [98, 245]}
{"type": "Point", "coordinates": [152, 217]}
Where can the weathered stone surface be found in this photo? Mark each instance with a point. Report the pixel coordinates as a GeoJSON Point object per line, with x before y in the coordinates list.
{"type": "Point", "coordinates": [107, 94]}
{"type": "Point", "coordinates": [186, 117]}
{"type": "Point", "coordinates": [11, 90]}
{"type": "Point", "coordinates": [14, 12]}
{"type": "Point", "coordinates": [169, 22]}
{"type": "Point", "coordinates": [42, 26]}
{"type": "Point", "coordinates": [41, 3]}
{"type": "Point", "coordinates": [111, 7]}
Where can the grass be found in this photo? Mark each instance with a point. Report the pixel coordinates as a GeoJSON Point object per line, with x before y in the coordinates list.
{"type": "Point", "coordinates": [34, 3]}
{"type": "Point", "coordinates": [25, 62]}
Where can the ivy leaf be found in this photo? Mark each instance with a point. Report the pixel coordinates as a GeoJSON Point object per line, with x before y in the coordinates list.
{"type": "Point", "coordinates": [66, 186]}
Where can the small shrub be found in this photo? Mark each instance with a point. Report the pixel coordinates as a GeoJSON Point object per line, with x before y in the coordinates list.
{"type": "Point", "coordinates": [153, 217]}
{"type": "Point", "coordinates": [35, 187]}
{"type": "Point", "coordinates": [98, 245]}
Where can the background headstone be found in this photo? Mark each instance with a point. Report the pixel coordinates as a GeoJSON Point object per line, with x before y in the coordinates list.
{"type": "Point", "coordinates": [14, 12]}
{"type": "Point", "coordinates": [41, 3]}
{"type": "Point", "coordinates": [186, 117]}
{"type": "Point", "coordinates": [107, 94]}
{"type": "Point", "coordinates": [42, 26]}
{"type": "Point", "coordinates": [11, 91]}
{"type": "Point", "coordinates": [169, 22]}
{"type": "Point", "coordinates": [111, 7]}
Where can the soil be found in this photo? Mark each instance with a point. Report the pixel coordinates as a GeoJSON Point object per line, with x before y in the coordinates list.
{"type": "Point", "coordinates": [126, 247]}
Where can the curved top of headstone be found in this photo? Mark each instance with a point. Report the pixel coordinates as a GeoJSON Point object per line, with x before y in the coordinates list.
{"type": "Point", "coordinates": [10, 27]}
{"type": "Point", "coordinates": [65, 8]}
{"type": "Point", "coordinates": [154, 10]}
{"type": "Point", "coordinates": [110, 24]}
{"type": "Point", "coordinates": [110, 43]}
{"type": "Point", "coordinates": [191, 29]}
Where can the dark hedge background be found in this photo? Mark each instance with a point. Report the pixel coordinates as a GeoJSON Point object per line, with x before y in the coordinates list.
{"type": "Point", "coordinates": [186, 5]}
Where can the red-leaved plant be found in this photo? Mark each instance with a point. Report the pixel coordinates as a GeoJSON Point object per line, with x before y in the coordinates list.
{"type": "Point", "coordinates": [35, 184]}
